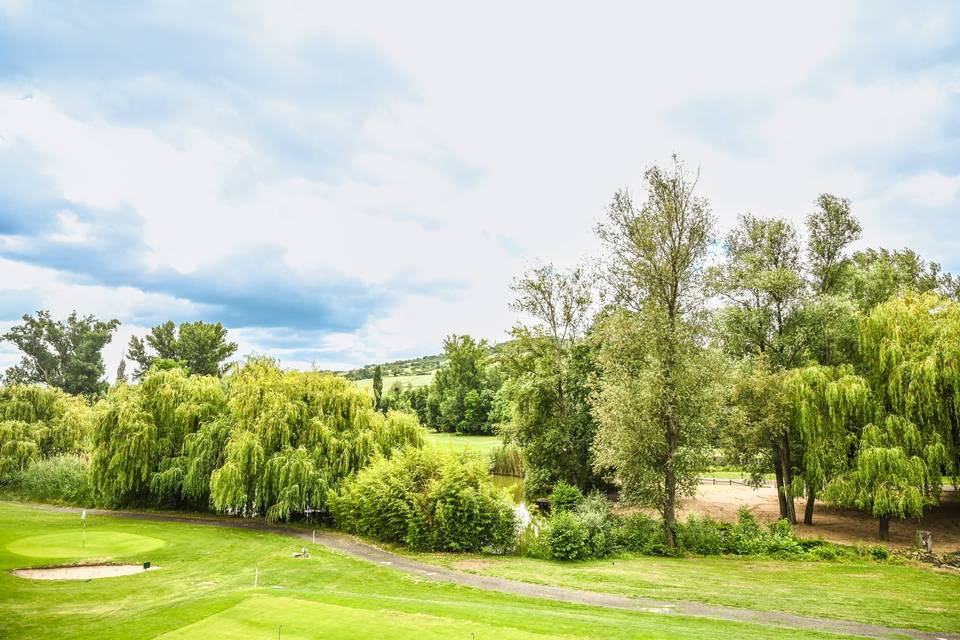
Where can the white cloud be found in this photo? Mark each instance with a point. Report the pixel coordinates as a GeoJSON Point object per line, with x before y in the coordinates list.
{"type": "Point", "coordinates": [513, 126]}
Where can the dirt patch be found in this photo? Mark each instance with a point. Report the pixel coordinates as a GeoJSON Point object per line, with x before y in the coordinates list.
{"type": "Point", "coordinates": [81, 572]}
{"type": "Point", "coordinates": [845, 526]}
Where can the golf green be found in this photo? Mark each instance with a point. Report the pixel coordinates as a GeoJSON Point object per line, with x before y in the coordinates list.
{"type": "Point", "coordinates": [70, 544]}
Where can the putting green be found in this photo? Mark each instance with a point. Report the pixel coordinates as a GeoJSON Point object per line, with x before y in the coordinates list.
{"type": "Point", "coordinates": [99, 544]}
{"type": "Point", "coordinates": [262, 617]}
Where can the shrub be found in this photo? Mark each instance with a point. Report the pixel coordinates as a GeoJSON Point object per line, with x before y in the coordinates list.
{"type": "Point", "coordinates": [428, 500]}
{"type": "Point", "coordinates": [566, 537]}
{"type": "Point", "coordinates": [595, 516]}
{"type": "Point", "coordinates": [61, 479]}
{"type": "Point", "coordinates": [703, 536]}
{"type": "Point", "coordinates": [565, 497]}
{"type": "Point", "coordinates": [640, 533]}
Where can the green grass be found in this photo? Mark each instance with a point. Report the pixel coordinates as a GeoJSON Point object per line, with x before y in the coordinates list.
{"type": "Point", "coordinates": [878, 593]}
{"type": "Point", "coordinates": [73, 544]}
{"type": "Point", "coordinates": [413, 381]}
{"type": "Point", "coordinates": [459, 442]}
{"type": "Point", "coordinates": [204, 588]}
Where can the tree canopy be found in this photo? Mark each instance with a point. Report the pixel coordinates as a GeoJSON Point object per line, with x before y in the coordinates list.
{"type": "Point", "coordinates": [200, 347]}
{"type": "Point", "coordinates": [62, 354]}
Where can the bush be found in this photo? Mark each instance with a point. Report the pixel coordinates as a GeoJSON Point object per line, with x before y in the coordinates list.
{"type": "Point", "coordinates": [428, 500]}
{"type": "Point", "coordinates": [566, 537]}
{"type": "Point", "coordinates": [61, 479]}
{"type": "Point", "coordinates": [640, 533]}
{"type": "Point", "coordinates": [565, 497]}
{"type": "Point", "coordinates": [703, 536]}
{"type": "Point", "coordinates": [597, 520]}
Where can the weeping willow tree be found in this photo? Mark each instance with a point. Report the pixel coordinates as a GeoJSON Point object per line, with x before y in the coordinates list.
{"type": "Point", "coordinates": [895, 474]}
{"type": "Point", "coordinates": [911, 348]}
{"type": "Point", "coordinates": [141, 433]}
{"type": "Point", "coordinates": [827, 407]}
{"type": "Point", "coordinates": [294, 436]}
{"type": "Point", "coordinates": [39, 422]}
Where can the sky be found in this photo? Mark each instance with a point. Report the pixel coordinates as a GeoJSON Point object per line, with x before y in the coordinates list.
{"type": "Point", "coordinates": [347, 183]}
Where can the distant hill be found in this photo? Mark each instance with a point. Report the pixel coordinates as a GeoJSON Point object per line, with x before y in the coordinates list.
{"type": "Point", "coordinates": [413, 367]}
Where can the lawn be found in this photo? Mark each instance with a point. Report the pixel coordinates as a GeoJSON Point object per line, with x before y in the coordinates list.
{"type": "Point", "coordinates": [413, 381]}
{"type": "Point", "coordinates": [878, 593]}
{"type": "Point", "coordinates": [460, 442]}
{"type": "Point", "coordinates": [204, 588]}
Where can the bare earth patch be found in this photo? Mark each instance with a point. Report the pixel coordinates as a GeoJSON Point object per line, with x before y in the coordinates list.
{"type": "Point", "coordinates": [81, 572]}
{"type": "Point", "coordinates": [845, 526]}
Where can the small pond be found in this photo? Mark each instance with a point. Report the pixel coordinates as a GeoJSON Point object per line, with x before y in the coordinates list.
{"type": "Point", "coordinates": [512, 486]}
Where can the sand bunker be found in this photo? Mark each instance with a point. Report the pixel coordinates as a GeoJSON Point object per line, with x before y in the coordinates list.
{"type": "Point", "coordinates": [82, 572]}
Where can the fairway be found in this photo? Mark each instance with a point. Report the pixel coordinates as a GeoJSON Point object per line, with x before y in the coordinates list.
{"type": "Point", "coordinates": [460, 442]}
{"type": "Point", "coordinates": [261, 616]}
{"type": "Point", "coordinates": [206, 589]}
{"type": "Point", "coordinates": [99, 544]}
{"type": "Point", "coordinates": [413, 381]}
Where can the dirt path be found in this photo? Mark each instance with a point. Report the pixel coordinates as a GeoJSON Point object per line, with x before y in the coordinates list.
{"type": "Point", "coordinates": [355, 548]}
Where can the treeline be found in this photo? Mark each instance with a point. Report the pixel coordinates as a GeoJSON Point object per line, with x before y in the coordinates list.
{"type": "Point", "coordinates": [410, 367]}
{"type": "Point", "coordinates": [777, 348]}
{"type": "Point", "coordinates": [787, 353]}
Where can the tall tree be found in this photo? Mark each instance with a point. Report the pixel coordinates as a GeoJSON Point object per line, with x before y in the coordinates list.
{"type": "Point", "coordinates": [377, 387]}
{"type": "Point", "coordinates": [653, 366]}
{"type": "Point", "coordinates": [465, 386]}
{"type": "Point", "coordinates": [831, 229]}
{"type": "Point", "coordinates": [200, 347]}
{"type": "Point", "coordinates": [548, 367]}
{"type": "Point", "coordinates": [761, 279]}
{"type": "Point", "coordinates": [63, 354]}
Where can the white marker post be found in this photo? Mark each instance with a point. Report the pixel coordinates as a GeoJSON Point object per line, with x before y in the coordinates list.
{"type": "Point", "coordinates": [83, 518]}
{"type": "Point", "coordinates": [256, 578]}
{"type": "Point", "coordinates": [314, 536]}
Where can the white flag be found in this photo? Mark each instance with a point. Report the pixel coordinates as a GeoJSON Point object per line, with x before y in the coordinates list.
{"type": "Point", "coordinates": [83, 516]}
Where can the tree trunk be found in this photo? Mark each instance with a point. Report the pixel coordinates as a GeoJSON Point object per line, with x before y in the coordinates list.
{"type": "Point", "coordinates": [884, 527]}
{"type": "Point", "coordinates": [781, 496]}
{"type": "Point", "coordinates": [808, 511]}
{"type": "Point", "coordinates": [787, 480]}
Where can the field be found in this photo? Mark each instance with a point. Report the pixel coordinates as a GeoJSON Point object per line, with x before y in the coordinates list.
{"type": "Point", "coordinates": [204, 587]}
{"type": "Point", "coordinates": [412, 381]}
{"type": "Point", "coordinates": [459, 442]}
{"type": "Point", "coordinates": [878, 593]}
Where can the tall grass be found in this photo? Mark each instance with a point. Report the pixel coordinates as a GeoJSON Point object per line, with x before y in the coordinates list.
{"type": "Point", "coordinates": [506, 460]}
{"type": "Point", "coordinates": [60, 479]}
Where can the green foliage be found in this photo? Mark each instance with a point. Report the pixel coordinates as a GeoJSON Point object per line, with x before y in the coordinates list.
{"type": "Point", "coordinates": [39, 422]}
{"type": "Point", "coordinates": [506, 459]}
{"type": "Point", "coordinates": [61, 479]}
{"type": "Point", "coordinates": [200, 347]}
{"type": "Point", "coordinates": [831, 228]}
{"type": "Point", "coordinates": [565, 497]}
{"type": "Point", "coordinates": [428, 500]}
{"type": "Point", "coordinates": [465, 386]}
{"type": "Point", "coordinates": [377, 388]}
{"type": "Point", "coordinates": [896, 473]}
{"type": "Point", "coordinates": [548, 367]}
{"type": "Point", "coordinates": [641, 385]}
{"type": "Point", "coordinates": [66, 355]}
{"type": "Point", "coordinates": [639, 533]}
{"type": "Point", "coordinates": [259, 442]}
{"type": "Point", "coordinates": [658, 399]}
{"type": "Point", "coordinates": [566, 537]}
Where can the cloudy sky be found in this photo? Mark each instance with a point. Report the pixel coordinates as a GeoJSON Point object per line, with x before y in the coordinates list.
{"type": "Point", "coordinates": [347, 183]}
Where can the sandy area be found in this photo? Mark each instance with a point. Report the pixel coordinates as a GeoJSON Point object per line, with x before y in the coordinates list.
{"type": "Point", "coordinates": [839, 525]}
{"type": "Point", "coordinates": [82, 572]}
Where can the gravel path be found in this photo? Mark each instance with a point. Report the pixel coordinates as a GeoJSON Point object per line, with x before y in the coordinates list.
{"type": "Point", "coordinates": [355, 548]}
